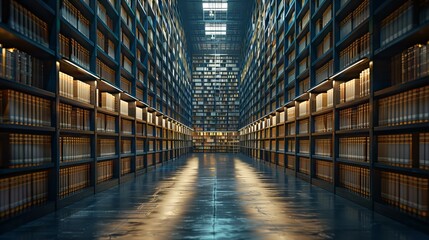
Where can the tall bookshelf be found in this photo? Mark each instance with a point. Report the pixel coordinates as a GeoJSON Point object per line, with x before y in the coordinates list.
{"type": "Point", "coordinates": [217, 141]}
{"type": "Point", "coordinates": [215, 102]}
{"type": "Point", "coordinates": [341, 98]}
{"type": "Point", "coordinates": [92, 93]}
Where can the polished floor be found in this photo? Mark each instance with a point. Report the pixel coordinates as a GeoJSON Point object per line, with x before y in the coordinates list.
{"type": "Point", "coordinates": [214, 196]}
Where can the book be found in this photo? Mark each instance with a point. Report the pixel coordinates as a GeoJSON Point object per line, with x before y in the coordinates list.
{"type": "Point", "coordinates": [355, 179]}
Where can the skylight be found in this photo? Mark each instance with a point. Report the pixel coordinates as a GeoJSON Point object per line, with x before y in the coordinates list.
{"type": "Point", "coordinates": [215, 29]}
{"type": "Point", "coordinates": [215, 6]}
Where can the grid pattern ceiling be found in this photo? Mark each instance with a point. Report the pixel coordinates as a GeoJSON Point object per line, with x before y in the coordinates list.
{"type": "Point", "coordinates": [196, 19]}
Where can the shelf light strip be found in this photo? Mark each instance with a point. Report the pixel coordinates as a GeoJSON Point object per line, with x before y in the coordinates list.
{"type": "Point", "coordinates": [348, 68]}
{"type": "Point", "coordinates": [80, 68]}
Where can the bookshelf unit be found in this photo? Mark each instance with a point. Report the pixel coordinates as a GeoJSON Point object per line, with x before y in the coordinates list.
{"type": "Point", "coordinates": [81, 85]}
{"type": "Point", "coordinates": [340, 104]}
{"type": "Point", "coordinates": [224, 142]}
{"type": "Point", "coordinates": [215, 103]}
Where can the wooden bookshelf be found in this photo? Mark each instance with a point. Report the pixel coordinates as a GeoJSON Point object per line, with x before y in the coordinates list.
{"type": "Point", "coordinates": [88, 79]}
{"type": "Point", "coordinates": [353, 121]}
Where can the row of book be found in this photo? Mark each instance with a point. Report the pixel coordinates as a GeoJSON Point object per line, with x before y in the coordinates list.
{"type": "Point", "coordinates": [325, 100]}
{"type": "Point", "coordinates": [75, 18]}
{"type": "Point", "coordinates": [74, 51]}
{"type": "Point", "coordinates": [395, 150]}
{"type": "Point", "coordinates": [25, 22]}
{"type": "Point", "coordinates": [323, 123]}
{"type": "Point", "coordinates": [397, 23]}
{"type": "Point", "coordinates": [407, 193]}
{"type": "Point", "coordinates": [424, 151]}
{"type": "Point", "coordinates": [139, 162]}
{"type": "Point", "coordinates": [74, 118]}
{"type": "Point", "coordinates": [304, 146]}
{"type": "Point", "coordinates": [74, 89]}
{"type": "Point", "coordinates": [126, 146]}
{"type": "Point", "coordinates": [104, 16]}
{"type": "Point", "coordinates": [325, 71]}
{"type": "Point", "coordinates": [18, 193]}
{"type": "Point", "coordinates": [105, 123]}
{"type": "Point", "coordinates": [107, 101]}
{"type": "Point", "coordinates": [324, 170]}
{"type": "Point", "coordinates": [304, 165]}
{"type": "Point", "coordinates": [25, 150]}
{"type": "Point", "coordinates": [303, 126]}
{"type": "Point", "coordinates": [355, 179]}
{"type": "Point", "coordinates": [140, 129]}
{"type": "Point", "coordinates": [140, 146]}
{"type": "Point", "coordinates": [104, 171]}
{"type": "Point", "coordinates": [304, 109]}
{"type": "Point", "coordinates": [24, 109]}
{"type": "Point", "coordinates": [126, 126]}
{"type": "Point", "coordinates": [107, 45]}
{"type": "Point", "coordinates": [106, 147]}
{"type": "Point", "coordinates": [324, 20]}
{"type": "Point", "coordinates": [355, 117]}
{"type": "Point", "coordinates": [354, 19]}
{"type": "Point", "coordinates": [124, 107]}
{"type": "Point", "coordinates": [323, 147]}
{"type": "Point", "coordinates": [21, 67]}
{"type": "Point", "coordinates": [105, 72]}
{"type": "Point", "coordinates": [74, 179]}
{"type": "Point", "coordinates": [404, 108]}
{"type": "Point", "coordinates": [411, 64]}
{"type": "Point", "coordinates": [355, 88]}
{"type": "Point", "coordinates": [74, 149]}
{"type": "Point", "coordinates": [125, 165]}
{"type": "Point", "coordinates": [355, 51]}
{"type": "Point", "coordinates": [354, 149]}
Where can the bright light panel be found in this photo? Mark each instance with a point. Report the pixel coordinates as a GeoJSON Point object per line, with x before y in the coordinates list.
{"type": "Point", "coordinates": [215, 6]}
{"type": "Point", "coordinates": [215, 29]}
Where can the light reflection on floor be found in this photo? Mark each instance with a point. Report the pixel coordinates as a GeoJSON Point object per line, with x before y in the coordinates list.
{"type": "Point", "coordinates": [214, 196]}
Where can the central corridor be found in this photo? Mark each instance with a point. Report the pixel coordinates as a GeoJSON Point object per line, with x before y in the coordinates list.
{"type": "Point", "coordinates": [214, 196]}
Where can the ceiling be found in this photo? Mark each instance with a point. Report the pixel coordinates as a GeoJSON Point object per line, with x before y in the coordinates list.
{"type": "Point", "coordinates": [236, 18]}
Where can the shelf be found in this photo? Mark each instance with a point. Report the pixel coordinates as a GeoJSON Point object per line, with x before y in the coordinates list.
{"type": "Point", "coordinates": [105, 111]}
{"type": "Point", "coordinates": [75, 131]}
{"type": "Point", "coordinates": [421, 82]}
{"type": "Point", "coordinates": [26, 128]}
{"type": "Point", "coordinates": [13, 39]}
{"type": "Point", "coordinates": [351, 71]}
{"type": "Point", "coordinates": [356, 102]}
{"type": "Point", "coordinates": [75, 163]}
{"type": "Point", "coordinates": [76, 103]}
{"type": "Point", "coordinates": [409, 171]}
{"type": "Point", "coordinates": [7, 171]}
{"type": "Point", "coordinates": [107, 134]}
{"type": "Point", "coordinates": [403, 128]}
{"type": "Point", "coordinates": [106, 158]}
{"type": "Point", "coordinates": [353, 131]}
{"type": "Point", "coordinates": [355, 163]}
{"type": "Point", "coordinates": [8, 84]}
{"type": "Point", "coordinates": [417, 35]}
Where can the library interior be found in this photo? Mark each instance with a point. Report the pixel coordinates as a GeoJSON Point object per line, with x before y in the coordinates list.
{"type": "Point", "coordinates": [214, 119]}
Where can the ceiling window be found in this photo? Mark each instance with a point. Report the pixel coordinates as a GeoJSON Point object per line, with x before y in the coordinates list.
{"type": "Point", "coordinates": [215, 6]}
{"type": "Point", "coordinates": [215, 29]}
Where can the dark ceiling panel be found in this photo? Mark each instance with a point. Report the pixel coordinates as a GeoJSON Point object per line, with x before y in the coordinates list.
{"type": "Point", "coordinates": [236, 20]}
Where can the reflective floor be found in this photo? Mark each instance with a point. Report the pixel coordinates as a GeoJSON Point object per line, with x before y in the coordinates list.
{"type": "Point", "coordinates": [214, 196]}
